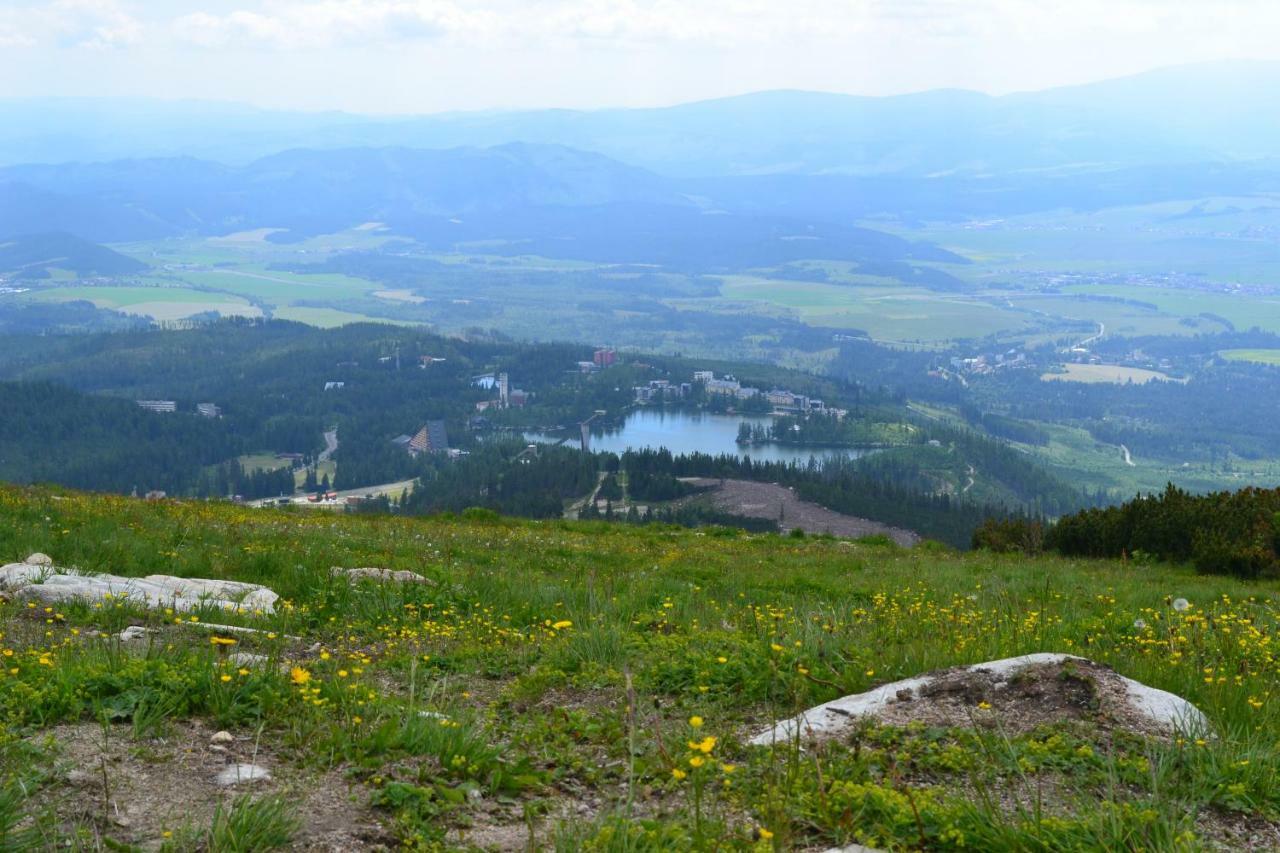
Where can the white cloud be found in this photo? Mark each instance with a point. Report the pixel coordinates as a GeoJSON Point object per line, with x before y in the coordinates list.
{"type": "Point", "coordinates": [295, 24]}
{"type": "Point", "coordinates": [97, 24]}
{"type": "Point", "coordinates": [300, 25]}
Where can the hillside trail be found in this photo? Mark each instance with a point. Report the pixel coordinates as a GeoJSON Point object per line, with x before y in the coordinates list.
{"type": "Point", "coordinates": [330, 445]}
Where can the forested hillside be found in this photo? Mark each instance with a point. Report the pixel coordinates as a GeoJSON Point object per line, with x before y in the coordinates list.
{"type": "Point", "coordinates": [280, 387]}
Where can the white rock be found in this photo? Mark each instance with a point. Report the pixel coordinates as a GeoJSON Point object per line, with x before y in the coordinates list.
{"type": "Point", "coordinates": [237, 773]}
{"type": "Point", "coordinates": [235, 629]}
{"type": "Point", "coordinates": [380, 575]}
{"type": "Point", "coordinates": [155, 591]}
{"type": "Point", "coordinates": [14, 575]}
{"type": "Point", "coordinates": [222, 737]}
{"type": "Point", "coordinates": [1160, 709]}
{"type": "Point", "coordinates": [247, 659]}
{"type": "Point", "coordinates": [133, 632]}
{"type": "Point", "coordinates": [38, 559]}
{"type": "Point", "coordinates": [250, 595]}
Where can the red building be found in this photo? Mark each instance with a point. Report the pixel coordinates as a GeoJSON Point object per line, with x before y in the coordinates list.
{"type": "Point", "coordinates": [605, 357]}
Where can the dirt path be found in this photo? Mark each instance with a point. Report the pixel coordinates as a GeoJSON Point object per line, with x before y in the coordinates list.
{"type": "Point", "coordinates": [575, 508]}
{"type": "Point", "coordinates": [768, 500]}
{"type": "Point", "coordinates": [1128, 458]}
{"type": "Point", "coordinates": [330, 445]}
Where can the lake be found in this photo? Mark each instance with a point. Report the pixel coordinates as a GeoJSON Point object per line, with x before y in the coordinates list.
{"type": "Point", "coordinates": [684, 432]}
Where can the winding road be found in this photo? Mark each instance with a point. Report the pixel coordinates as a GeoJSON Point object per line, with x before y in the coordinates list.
{"type": "Point", "coordinates": [1102, 331]}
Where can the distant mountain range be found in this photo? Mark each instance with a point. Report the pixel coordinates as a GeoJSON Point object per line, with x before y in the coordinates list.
{"type": "Point", "coordinates": [1219, 112]}
{"type": "Point", "coordinates": [738, 183]}
{"type": "Point", "coordinates": [515, 199]}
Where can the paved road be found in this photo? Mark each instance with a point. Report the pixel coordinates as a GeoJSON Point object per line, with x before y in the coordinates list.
{"type": "Point", "coordinates": [1102, 331]}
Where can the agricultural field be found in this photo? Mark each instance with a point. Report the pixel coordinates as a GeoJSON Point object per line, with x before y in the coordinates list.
{"type": "Point", "coordinates": [1257, 356]}
{"type": "Point", "coordinates": [158, 301]}
{"type": "Point", "coordinates": [585, 686]}
{"type": "Point", "coordinates": [1028, 282]}
{"type": "Point", "coordinates": [886, 313]}
{"type": "Point", "coordinates": [1110, 373]}
{"type": "Point", "coordinates": [329, 318]}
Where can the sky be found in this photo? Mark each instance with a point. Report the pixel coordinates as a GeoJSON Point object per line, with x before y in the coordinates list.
{"type": "Point", "coordinates": [419, 56]}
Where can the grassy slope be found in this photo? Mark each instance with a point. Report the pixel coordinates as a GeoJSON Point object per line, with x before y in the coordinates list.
{"type": "Point", "coordinates": [533, 632]}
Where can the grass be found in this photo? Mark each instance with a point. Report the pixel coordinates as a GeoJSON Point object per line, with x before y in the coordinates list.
{"type": "Point", "coordinates": [161, 302]}
{"type": "Point", "coordinates": [552, 665]}
{"type": "Point", "coordinates": [1245, 312]}
{"type": "Point", "coordinates": [280, 288]}
{"type": "Point", "coordinates": [328, 318]}
{"type": "Point", "coordinates": [1258, 356]}
{"type": "Point", "coordinates": [264, 461]}
{"type": "Point", "coordinates": [1105, 373]}
{"type": "Point", "coordinates": [885, 313]}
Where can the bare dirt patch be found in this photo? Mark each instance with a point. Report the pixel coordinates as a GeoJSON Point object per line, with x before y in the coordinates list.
{"type": "Point", "coordinates": [769, 500]}
{"type": "Point", "coordinates": [133, 791]}
{"type": "Point", "coordinates": [1015, 695]}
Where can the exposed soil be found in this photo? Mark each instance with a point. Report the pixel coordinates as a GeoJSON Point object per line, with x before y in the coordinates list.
{"type": "Point", "coordinates": [1040, 694]}
{"type": "Point", "coordinates": [769, 500]}
{"type": "Point", "coordinates": [133, 791]}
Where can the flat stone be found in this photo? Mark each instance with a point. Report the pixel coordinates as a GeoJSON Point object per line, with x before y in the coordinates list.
{"type": "Point", "coordinates": [16, 575]}
{"type": "Point", "coordinates": [247, 659]}
{"type": "Point", "coordinates": [42, 582]}
{"type": "Point", "coordinates": [133, 632]}
{"type": "Point", "coordinates": [236, 774]}
{"type": "Point", "coordinates": [234, 629]}
{"type": "Point", "coordinates": [380, 575]}
{"type": "Point", "coordinates": [251, 596]}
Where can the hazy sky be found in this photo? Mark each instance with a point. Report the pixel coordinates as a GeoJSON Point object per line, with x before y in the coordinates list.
{"type": "Point", "coordinates": [431, 55]}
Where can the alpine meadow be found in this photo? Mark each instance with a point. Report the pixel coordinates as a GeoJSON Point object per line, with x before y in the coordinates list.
{"type": "Point", "coordinates": [479, 426]}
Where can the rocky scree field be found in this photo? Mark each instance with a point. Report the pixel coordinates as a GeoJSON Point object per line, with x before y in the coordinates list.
{"type": "Point", "coordinates": [583, 686]}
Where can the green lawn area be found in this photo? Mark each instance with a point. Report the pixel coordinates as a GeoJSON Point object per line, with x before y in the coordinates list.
{"type": "Point", "coordinates": [1243, 311]}
{"type": "Point", "coordinates": [328, 318]}
{"type": "Point", "coordinates": [1258, 356]}
{"type": "Point", "coordinates": [884, 313]}
{"type": "Point", "coordinates": [265, 461]}
{"type": "Point", "coordinates": [281, 288]}
{"type": "Point", "coordinates": [1105, 373]}
{"type": "Point", "coordinates": [160, 302]}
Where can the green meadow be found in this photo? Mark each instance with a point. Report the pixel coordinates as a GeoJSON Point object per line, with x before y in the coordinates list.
{"type": "Point", "coordinates": [582, 686]}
